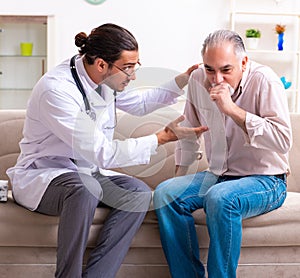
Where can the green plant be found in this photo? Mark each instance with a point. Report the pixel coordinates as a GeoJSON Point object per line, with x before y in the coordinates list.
{"type": "Point", "coordinates": [253, 33]}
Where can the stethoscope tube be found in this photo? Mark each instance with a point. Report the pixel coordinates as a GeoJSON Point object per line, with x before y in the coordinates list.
{"type": "Point", "coordinates": [79, 85]}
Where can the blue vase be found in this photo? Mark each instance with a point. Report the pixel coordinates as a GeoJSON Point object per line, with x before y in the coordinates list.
{"type": "Point", "coordinates": [280, 41]}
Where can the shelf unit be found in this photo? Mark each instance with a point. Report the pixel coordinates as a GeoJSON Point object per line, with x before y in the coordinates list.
{"type": "Point", "coordinates": [18, 74]}
{"type": "Point", "coordinates": [265, 16]}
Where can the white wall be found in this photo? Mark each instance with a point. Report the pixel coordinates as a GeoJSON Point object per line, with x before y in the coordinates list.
{"type": "Point", "coordinates": [170, 32]}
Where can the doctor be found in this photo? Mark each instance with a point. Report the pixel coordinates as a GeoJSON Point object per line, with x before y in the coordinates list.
{"type": "Point", "coordinates": [68, 140]}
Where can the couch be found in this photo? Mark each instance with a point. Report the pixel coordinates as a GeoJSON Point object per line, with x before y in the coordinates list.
{"type": "Point", "coordinates": [271, 242]}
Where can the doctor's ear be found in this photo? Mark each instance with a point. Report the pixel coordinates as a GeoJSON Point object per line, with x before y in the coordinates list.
{"type": "Point", "coordinates": [101, 64]}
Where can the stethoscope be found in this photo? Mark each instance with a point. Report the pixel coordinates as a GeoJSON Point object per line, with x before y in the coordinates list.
{"type": "Point", "coordinates": [87, 105]}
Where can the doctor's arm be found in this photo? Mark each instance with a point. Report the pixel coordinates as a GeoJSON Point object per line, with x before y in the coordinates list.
{"type": "Point", "coordinates": [183, 78]}
{"type": "Point", "coordinates": [138, 101]}
{"type": "Point", "coordinates": [174, 132]}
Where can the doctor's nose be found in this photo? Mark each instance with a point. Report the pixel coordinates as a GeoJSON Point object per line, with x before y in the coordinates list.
{"type": "Point", "coordinates": [132, 76]}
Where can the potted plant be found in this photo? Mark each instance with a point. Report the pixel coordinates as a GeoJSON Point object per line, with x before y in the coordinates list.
{"type": "Point", "coordinates": [252, 38]}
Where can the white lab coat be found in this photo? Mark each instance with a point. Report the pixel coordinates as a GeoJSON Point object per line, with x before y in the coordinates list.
{"type": "Point", "coordinates": [57, 129]}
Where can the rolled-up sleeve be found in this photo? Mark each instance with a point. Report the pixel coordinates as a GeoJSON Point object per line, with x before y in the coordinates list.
{"type": "Point", "coordinates": [268, 133]}
{"type": "Point", "coordinates": [271, 128]}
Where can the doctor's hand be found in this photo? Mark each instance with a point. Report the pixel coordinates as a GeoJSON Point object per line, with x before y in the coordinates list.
{"type": "Point", "coordinates": [173, 132]}
{"type": "Point", "coordinates": [183, 78]}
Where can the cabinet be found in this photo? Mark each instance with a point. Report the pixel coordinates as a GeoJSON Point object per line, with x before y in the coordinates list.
{"type": "Point", "coordinates": [19, 73]}
{"type": "Point", "coordinates": [244, 14]}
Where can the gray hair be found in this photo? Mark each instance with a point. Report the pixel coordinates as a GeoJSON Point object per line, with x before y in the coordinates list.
{"type": "Point", "coordinates": [220, 36]}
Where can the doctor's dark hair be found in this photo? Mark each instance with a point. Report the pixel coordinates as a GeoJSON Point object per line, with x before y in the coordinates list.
{"type": "Point", "coordinates": [106, 42]}
{"type": "Point", "coordinates": [220, 36]}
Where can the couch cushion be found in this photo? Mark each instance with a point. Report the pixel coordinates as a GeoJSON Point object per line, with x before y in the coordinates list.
{"type": "Point", "coordinates": [294, 178]}
{"type": "Point", "coordinates": [270, 229]}
{"type": "Point", "coordinates": [41, 230]}
{"type": "Point", "coordinates": [162, 164]}
{"type": "Point", "coordinates": [26, 228]}
{"type": "Point", "coordinates": [11, 126]}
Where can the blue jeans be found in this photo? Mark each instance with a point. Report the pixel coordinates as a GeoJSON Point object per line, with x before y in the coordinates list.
{"type": "Point", "coordinates": [226, 201]}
